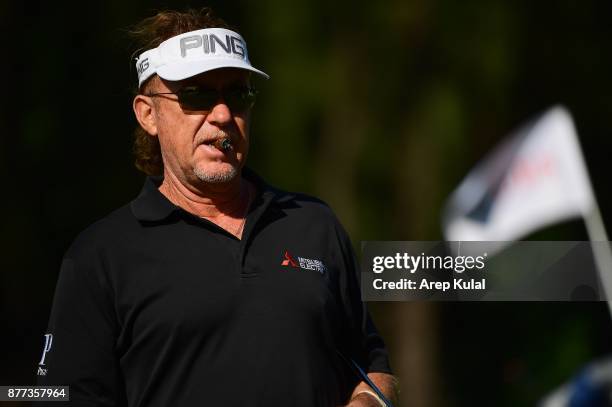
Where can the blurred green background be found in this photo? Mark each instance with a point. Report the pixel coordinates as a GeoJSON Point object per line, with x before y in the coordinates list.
{"type": "Point", "coordinates": [379, 108]}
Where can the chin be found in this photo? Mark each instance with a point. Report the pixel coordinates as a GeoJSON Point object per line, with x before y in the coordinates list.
{"type": "Point", "coordinates": [217, 173]}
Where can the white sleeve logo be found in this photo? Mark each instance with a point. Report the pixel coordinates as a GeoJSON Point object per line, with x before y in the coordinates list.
{"type": "Point", "coordinates": [47, 348]}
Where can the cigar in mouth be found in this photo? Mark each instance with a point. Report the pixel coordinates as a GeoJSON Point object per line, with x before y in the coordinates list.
{"type": "Point", "coordinates": [224, 144]}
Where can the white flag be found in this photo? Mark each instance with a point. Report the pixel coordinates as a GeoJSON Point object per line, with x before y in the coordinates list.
{"type": "Point", "coordinates": [535, 178]}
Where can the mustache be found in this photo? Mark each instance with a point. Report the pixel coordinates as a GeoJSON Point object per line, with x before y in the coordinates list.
{"type": "Point", "coordinates": [212, 137]}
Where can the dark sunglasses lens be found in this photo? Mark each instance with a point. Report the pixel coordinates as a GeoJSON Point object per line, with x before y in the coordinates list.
{"type": "Point", "coordinates": [240, 100]}
{"type": "Point", "coordinates": [197, 99]}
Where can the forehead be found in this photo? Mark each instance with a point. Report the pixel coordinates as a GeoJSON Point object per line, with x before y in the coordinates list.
{"type": "Point", "coordinates": [215, 79]}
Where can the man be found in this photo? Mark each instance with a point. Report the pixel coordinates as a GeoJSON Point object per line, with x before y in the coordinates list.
{"type": "Point", "coordinates": [211, 287]}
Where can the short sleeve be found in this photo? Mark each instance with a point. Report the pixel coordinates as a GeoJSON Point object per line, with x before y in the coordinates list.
{"type": "Point", "coordinates": [79, 345]}
{"type": "Point", "coordinates": [363, 342]}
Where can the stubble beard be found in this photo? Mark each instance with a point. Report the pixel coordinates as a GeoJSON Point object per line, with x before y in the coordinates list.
{"type": "Point", "coordinates": [217, 177]}
{"type": "Point", "coordinates": [220, 176]}
{"type": "Point", "coordinates": [227, 174]}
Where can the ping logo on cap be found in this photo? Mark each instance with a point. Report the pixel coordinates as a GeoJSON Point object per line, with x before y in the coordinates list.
{"type": "Point", "coordinates": [142, 66]}
{"type": "Point", "coordinates": [208, 43]}
{"type": "Point", "coordinates": [195, 52]}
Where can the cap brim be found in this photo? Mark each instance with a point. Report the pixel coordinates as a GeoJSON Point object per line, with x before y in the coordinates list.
{"type": "Point", "coordinates": [180, 71]}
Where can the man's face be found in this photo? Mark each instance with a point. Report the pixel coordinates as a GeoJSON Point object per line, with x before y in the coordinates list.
{"type": "Point", "coordinates": [185, 136]}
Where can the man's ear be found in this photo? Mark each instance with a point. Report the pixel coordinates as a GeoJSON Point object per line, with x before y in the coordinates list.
{"type": "Point", "coordinates": [144, 109]}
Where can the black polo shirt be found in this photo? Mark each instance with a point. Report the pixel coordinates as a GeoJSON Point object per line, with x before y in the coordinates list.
{"type": "Point", "coordinates": [157, 307]}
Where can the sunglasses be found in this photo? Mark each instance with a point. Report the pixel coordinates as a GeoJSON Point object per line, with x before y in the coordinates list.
{"type": "Point", "coordinates": [200, 99]}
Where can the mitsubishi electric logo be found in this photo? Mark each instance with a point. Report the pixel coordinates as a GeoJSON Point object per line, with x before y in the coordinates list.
{"type": "Point", "coordinates": [289, 261]}
{"type": "Point", "coordinates": [48, 343]}
{"type": "Point", "coordinates": [303, 263]}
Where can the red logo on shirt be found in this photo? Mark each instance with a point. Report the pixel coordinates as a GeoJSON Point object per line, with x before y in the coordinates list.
{"type": "Point", "coordinates": [303, 263]}
{"type": "Point", "coordinates": [289, 261]}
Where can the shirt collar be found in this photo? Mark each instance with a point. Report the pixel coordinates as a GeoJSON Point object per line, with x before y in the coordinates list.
{"type": "Point", "coordinates": [152, 206]}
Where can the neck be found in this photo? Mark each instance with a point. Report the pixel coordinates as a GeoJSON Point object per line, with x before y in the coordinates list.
{"type": "Point", "coordinates": [204, 199]}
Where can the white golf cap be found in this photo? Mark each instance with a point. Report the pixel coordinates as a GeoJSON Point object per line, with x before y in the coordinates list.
{"type": "Point", "coordinates": [193, 53]}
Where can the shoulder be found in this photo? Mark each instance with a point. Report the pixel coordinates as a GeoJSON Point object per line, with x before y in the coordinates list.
{"type": "Point", "coordinates": [103, 233]}
{"type": "Point", "coordinates": [295, 204]}
{"type": "Point", "coordinates": [305, 205]}
{"type": "Point", "coordinates": [311, 213]}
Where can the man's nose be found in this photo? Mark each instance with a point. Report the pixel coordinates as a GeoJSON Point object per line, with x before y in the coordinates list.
{"type": "Point", "coordinates": [220, 113]}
